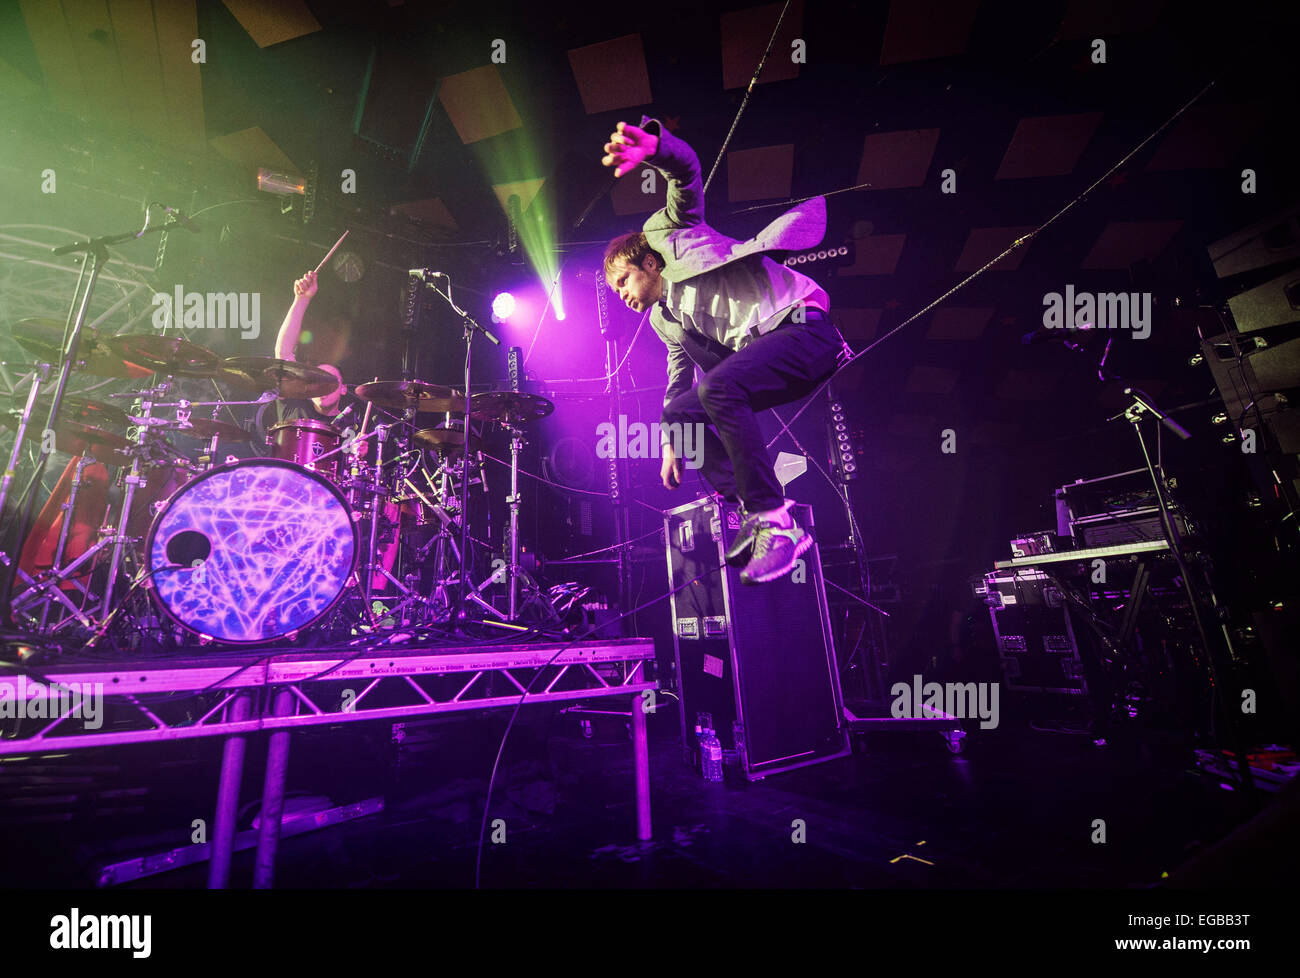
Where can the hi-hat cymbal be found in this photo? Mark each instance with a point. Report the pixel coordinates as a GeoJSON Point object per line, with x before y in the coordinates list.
{"type": "Point", "coordinates": [164, 354]}
{"type": "Point", "coordinates": [288, 378]}
{"type": "Point", "coordinates": [402, 394]}
{"type": "Point", "coordinates": [43, 338]}
{"type": "Point", "coordinates": [509, 407]}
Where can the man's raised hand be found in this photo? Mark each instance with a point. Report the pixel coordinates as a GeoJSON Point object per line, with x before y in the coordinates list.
{"type": "Point", "coordinates": [305, 287]}
{"type": "Point", "coordinates": [627, 147]}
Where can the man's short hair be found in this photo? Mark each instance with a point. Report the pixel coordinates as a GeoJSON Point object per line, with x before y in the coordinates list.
{"type": "Point", "coordinates": [631, 248]}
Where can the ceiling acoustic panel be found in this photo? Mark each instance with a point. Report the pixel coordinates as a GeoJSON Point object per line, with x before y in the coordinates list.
{"type": "Point", "coordinates": [919, 30]}
{"type": "Point", "coordinates": [984, 244]}
{"type": "Point", "coordinates": [764, 173]}
{"type": "Point", "coordinates": [274, 22]}
{"type": "Point", "coordinates": [745, 36]}
{"type": "Point", "coordinates": [891, 160]}
{"type": "Point", "coordinates": [1122, 243]}
{"type": "Point", "coordinates": [875, 255]}
{"type": "Point", "coordinates": [958, 323]}
{"type": "Point", "coordinates": [612, 74]}
{"type": "Point", "coordinates": [478, 104]}
{"type": "Point", "coordinates": [1047, 145]}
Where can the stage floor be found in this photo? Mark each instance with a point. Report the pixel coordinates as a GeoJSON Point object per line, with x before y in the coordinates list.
{"type": "Point", "coordinates": [1014, 809]}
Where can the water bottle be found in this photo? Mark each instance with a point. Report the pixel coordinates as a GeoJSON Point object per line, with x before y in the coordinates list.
{"type": "Point", "coordinates": [699, 745]}
{"type": "Point", "coordinates": [712, 755]}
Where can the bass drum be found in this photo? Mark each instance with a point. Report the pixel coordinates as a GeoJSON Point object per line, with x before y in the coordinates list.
{"type": "Point", "coordinates": [252, 551]}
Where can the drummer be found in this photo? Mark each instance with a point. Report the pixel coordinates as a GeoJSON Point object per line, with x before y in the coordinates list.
{"type": "Point", "coordinates": [325, 408]}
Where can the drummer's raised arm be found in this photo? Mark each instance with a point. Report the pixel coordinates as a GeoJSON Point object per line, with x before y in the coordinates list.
{"type": "Point", "coordinates": [286, 342]}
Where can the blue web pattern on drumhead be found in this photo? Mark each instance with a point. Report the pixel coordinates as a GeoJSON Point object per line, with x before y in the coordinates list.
{"type": "Point", "coordinates": [282, 551]}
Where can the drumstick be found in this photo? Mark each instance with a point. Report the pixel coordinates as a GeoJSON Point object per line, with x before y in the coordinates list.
{"type": "Point", "coordinates": [365, 418]}
{"type": "Point", "coordinates": [331, 251]}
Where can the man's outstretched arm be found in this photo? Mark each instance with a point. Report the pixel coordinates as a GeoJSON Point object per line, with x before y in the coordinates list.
{"type": "Point", "coordinates": [629, 146]}
{"type": "Point", "coordinates": [286, 341]}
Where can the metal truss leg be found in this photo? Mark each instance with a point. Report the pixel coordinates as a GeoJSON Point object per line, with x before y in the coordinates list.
{"type": "Point", "coordinates": [277, 764]}
{"type": "Point", "coordinates": [641, 765]}
{"type": "Point", "coordinates": [232, 772]}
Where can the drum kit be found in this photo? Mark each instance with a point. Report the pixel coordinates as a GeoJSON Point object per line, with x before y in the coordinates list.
{"type": "Point", "coordinates": [332, 529]}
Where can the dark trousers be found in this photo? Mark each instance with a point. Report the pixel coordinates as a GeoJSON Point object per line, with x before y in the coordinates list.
{"type": "Point", "coordinates": [785, 365]}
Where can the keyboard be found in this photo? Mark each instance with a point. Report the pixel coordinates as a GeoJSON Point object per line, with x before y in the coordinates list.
{"type": "Point", "coordinates": [1118, 550]}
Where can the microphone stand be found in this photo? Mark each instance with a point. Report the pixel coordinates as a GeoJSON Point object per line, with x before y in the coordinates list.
{"type": "Point", "coordinates": [94, 257]}
{"type": "Point", "coordinates": [1142, 405]}
{"type": "Point", "coordinates": [470, 326]}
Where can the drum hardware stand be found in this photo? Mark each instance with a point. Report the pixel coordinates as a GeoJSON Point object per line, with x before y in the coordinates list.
{"type": "Point", "coordinates": [68, 508]}
{"type": "Point", "coordinates": [512, 572]}
{"type": "Point", "coordinates": [133, 479]}
{"type": "Point", "coordinates": [381, 437]}
{"type": "Point", "coordinates": [516, 572]}
{"type": "Point", "coordinates": [39, 376]}
{"type": "Point", "coordinates": [49, 585]}
{"type": "Point", "coordinates": [95, 256]}
{"type": "Point", "coordinates": [470, 326]}
{"type": "Point", "coordinates": [440, 544]}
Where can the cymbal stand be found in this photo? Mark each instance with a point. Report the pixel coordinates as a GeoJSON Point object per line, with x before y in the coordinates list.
{"type": "Point", "coordinates": [513, 571]}
{"type": "Point", "coordinates": [49, 584]}
{"type": "Point", "coordinates": [39, 376]}
{"type": "Point", "coordinates": [69, 507]}
{"type": "Point", "coordinates": [134, 478]}
{"type": "Point", "coordinates": [376, 491]}
{"type": "Point", "coordinates": [429, 277]}
{"type": "Point", "coordinates": [447, 538]}
{"type": "Point", "coordinates": [95, 255]}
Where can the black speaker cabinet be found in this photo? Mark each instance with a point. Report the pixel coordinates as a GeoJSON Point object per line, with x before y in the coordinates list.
{"type": "Point", "coordinates": [759, 658]}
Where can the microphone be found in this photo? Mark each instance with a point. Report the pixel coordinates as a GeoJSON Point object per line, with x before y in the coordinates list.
{"type": "Point", "coordinates": [422, 273]}
{"type": "Point", "coordinates": [606, 187]}
{"type": "Point", "coordinates": [179, 217]}
{"type": "Point", "coordinates": [343, 414]}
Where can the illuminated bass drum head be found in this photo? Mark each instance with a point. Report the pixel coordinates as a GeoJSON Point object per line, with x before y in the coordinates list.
{"type": "Point", "coordinates": [264, 548]}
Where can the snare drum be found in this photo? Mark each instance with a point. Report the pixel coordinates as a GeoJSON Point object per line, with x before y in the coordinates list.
{"type": "Point", "coordinates": [304, 441]}
{"type": "Point", "coordinates": [252, 551]}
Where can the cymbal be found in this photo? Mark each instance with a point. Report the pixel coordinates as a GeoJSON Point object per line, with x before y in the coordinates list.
{"type": "Point", "coordinates": [447, 441]}
{"type": "Point", "coordinates": [424, 398]}
{"type": "Point", "coordinates": [74, 438]}
{"type": "Point", "coordinates": [79, 409]}
{"type": "Point", "coordinates": [288, 378]}
{"type": "Point", "coordinates": [164, 354]}
{"type": "Point", "coordinates": [509, 407]}
{"type": "Point", "coordinates": [237, 379]}
{"type": "Point", "coordinates": [207, 427]}
{"type": "Point", "coordinates": [44, 339]}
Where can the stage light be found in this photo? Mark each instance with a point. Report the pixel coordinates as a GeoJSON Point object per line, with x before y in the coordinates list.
{"type": "Point", "coordinates": [557, 298]}
{"type": "Point", "coordinates": [503, 305]}
{"type": "Point", "coordinates": [282, 184]}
